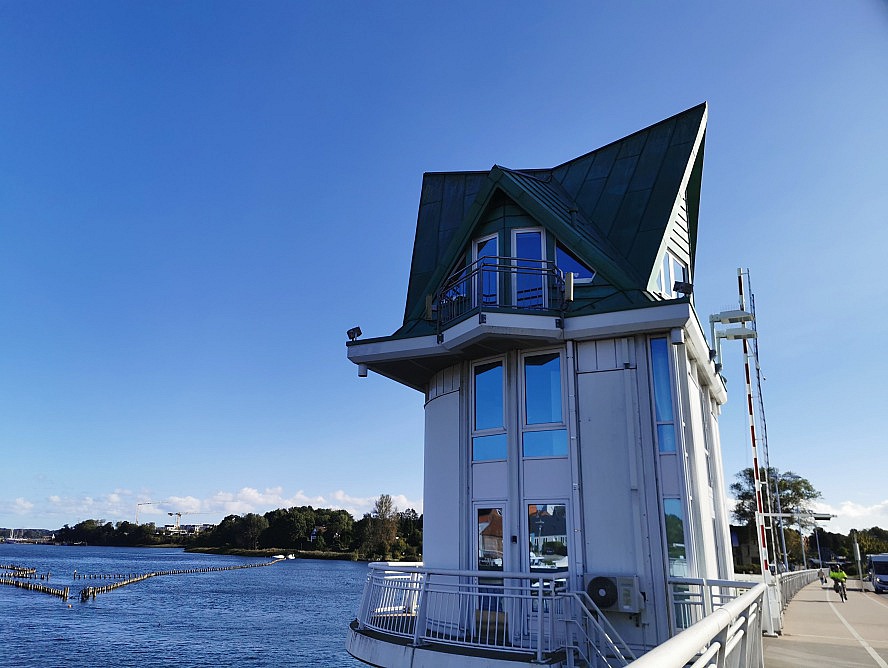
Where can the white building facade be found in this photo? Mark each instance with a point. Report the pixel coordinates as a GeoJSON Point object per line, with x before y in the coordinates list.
{"type": "Point", "coordinates": [571, 414]}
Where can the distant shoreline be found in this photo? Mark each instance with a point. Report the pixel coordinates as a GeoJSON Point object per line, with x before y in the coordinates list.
{"type": "Point", "coordinates": [270, 552]}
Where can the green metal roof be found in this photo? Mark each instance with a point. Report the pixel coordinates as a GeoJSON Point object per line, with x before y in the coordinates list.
{"type": "Point", "coordinates": [611, 207]}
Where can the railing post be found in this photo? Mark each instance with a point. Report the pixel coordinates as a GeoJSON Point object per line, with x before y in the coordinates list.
{"type": "Point", "coordinates": [419, 623]}
{"type": "Point", "coordinates": [539, 651]}
{"type": "Point", "coordinates": [365, 599]}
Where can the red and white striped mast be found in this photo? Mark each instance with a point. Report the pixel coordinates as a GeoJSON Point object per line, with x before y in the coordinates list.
{"type": "Point", "coordinates": [756, 469]}
{"type": "Point", "coordinates": [743, 333]}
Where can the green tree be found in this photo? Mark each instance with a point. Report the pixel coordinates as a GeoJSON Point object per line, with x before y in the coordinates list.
{"type": "Point", "coordinates": [796, 495]}
{"type": "Point", "coordinates": [251, 527]}
{"type": "Point", "coordinates": [383, 526]}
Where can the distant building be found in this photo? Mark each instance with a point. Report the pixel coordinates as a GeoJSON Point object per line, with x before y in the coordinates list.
{"type": "Point", "coordinates": [571, 405]}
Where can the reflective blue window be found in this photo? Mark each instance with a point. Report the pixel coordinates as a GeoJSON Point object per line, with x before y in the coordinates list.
{"type": "Point", "coordinates": [542, 388]}
{"type": "Point", "coordinates": [486, 448]}
{"type": "Point", "coordinates": [488, 287]}
{"type": "Point", "coordinates": [663, 413]}
{"type": "Point", "coordinates": [529, 280]}
{"type": "Point", "coordinates": [549, 443]}
{"type": "Point", "coordinates": [489, 396]}
{"type": "Point", "coordinates": [675, 537]}
{"type": "Point", "coordinates": [568, 263]}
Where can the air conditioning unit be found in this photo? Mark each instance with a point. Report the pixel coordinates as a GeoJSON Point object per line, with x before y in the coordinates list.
{"type": "Point", "coordinates": [619, 593]}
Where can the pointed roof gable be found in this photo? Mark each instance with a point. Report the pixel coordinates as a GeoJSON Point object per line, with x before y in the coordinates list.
{"type": "Point", "coordinates": [612, 206]}
{"type": "Point", "coordinates": [629, 189]}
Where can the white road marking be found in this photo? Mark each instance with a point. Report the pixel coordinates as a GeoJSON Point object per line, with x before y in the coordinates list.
{"type": "Point", "coordinates": [878, 659]}
{"type": "Point", "coordinates": [875, 599]}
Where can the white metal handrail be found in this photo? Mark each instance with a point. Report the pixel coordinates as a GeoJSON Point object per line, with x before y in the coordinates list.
{"type": "Point", "coordinates": [791, 583]}
{"type": "Point", "coordinates": [500, 612]}
{"type": "Point", "coordinates": [695, 598]}
{"type": "Point", "coordinates": [728, 636]}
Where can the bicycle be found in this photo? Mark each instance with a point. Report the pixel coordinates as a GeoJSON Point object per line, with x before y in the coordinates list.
{"type": "Point", "coordinates": [839, 588]}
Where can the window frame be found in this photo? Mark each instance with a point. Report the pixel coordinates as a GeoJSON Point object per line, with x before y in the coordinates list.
{"type": "Point", "coordinates": [528, 427]}
{"type": "Point", "coordinates": [502, 429]}
{"type": "Point", "coordinates": [577, 280]}
{"type": "Point", "coordinates": [513, 261]}
{"type": "Point", "coordinates": [478, 280]}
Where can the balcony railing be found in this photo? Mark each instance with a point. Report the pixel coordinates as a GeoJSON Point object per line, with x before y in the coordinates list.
{"type": "Point", "coordinates": [695, 598]}
{"type": "Point", "coordinates": [534, 615]}
{"type": "Point", "coordinates": [500, 283]}
{"type": "Point", "coordinates": [524, 613]}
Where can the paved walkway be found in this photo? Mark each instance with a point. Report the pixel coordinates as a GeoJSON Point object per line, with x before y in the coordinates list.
{"type": "Point", "coordinates": [820, 630]}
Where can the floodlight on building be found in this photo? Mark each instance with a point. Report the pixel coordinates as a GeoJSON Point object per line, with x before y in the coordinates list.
{"type": "Point", "coordinates": [683, 287]}
{"type": "Point", "coordinates": [731, 317]}
{"type": "Point", "coordinates": [735, 333]}
{"type": "Point", "coordinates": [353, 333]}
{"type": "Point", "coordinates": [569, 286]}
{"type": "Point", "coordinates": [677, 336]}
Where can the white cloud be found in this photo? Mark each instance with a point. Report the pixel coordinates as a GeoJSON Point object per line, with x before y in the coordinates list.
{"type": "Point", "coordinates": [851, 515]}
{"type": "Point", "coordinates": [21, 506]}
{"type": "Point", "coordinates": [121, 505]}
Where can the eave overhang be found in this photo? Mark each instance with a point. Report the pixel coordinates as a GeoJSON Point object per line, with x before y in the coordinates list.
{"type": "Point", "coordinates": [412, 361]}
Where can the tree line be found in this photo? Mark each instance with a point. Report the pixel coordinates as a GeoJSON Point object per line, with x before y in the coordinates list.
{"type": "Point", "coordinates": [384, 533]}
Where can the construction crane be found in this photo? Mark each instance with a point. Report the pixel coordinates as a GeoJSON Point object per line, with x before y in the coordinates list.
{"type": "Point", "coordinates": [177, 516]}
{"type": "Point", "coordinates": [146, 503]}
{"type": "Point", "coordinates": [139, 507]}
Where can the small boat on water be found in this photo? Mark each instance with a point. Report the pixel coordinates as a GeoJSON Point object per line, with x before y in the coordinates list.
{"type": "Point", "coordinates": [278, 556]}
{"type": "Point", "coordinates": [291, 556]}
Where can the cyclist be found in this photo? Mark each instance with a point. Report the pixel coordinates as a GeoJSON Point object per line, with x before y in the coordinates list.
{"type": "Point", "coordinates": [837, 575]}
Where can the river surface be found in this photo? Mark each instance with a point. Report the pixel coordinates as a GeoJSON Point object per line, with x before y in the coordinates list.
{"type": "Point", "coordinates": [293, 613]}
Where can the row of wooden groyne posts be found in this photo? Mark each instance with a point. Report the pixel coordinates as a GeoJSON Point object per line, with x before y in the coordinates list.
{"type": "Point", "coordinates": [22, 577]}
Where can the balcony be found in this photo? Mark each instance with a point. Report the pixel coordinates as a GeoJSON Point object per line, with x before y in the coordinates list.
{"type": "Point", "coordinates": [523, 619]}
{"type": "Point", "coordinates": [411, 615]}
{"type": "Point", "coordinates": [505, 284]}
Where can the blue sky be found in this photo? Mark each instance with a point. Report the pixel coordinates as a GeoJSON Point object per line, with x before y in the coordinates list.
{"type": "Point", "coordinates": [198, 199]}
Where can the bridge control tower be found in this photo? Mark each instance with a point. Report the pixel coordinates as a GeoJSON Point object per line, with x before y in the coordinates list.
{"type": "Point", "coordinates": [571, 406]}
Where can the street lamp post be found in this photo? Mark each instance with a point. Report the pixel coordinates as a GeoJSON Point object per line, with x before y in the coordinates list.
{"type": "Point", "coordinates": [817, 538]}
{"type": "Point", "coordinates": [782, 535]}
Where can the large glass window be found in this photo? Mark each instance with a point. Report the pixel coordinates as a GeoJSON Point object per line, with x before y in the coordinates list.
{"type": "Point", "coordinates": [569, 264]}
{"type": "Point", "coordinates": [487, 288]}
{"type": "Point", "coordinates": [543, 406]}
{"type": "Point", "coordinates": [542, 388]}
{"type": "Point", "coordinates": [547, 529]}
{"type": "Point", "coordinates": [490, 539]}
{"type": "Point", "coordinates": [487, 448]}
{"type": "Point", "coordinates": [488, 395]}
{"type": "Point", "coordinates": [663, 411]}
{"type": "Point", "coordinates": [675, 538]}
{"type": "Point", "coordinates": [530, 282]}
{"type": "Point", "coordinates": [548, 443]}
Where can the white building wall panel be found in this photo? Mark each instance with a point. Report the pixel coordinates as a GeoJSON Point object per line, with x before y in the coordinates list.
{"type": "Point", "coordinates": [547, 479]}
{"type": "Point", "coordinates": [607, 481]}
{"type": "Point", "coordinates": [442, 496]}
{"type": "Point", "coordinates": [604, 355]}
{"type": "Point", "coordinates": [490, 481]}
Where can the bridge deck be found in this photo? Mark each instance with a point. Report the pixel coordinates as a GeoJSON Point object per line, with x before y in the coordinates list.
{"type": "Point", "coordinates": [820, 630]}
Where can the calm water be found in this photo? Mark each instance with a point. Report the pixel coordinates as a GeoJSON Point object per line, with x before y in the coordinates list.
{"type": "Point", "coordinates": [294, 613]}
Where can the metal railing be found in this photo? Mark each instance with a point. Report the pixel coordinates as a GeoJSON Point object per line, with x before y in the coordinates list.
{"type": "Point", "coordinates": [500, 283]}
{"type": "Point", "coordinates": [528, 613]}
{"type": "Point", "coordinates": [791, 583]}
{"type": "Point", "coordinates": [729, 636]}
{"type": "Point", "coordinates": [534, 614]}
{"type": "Point", "coordinates": [693, 599]}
